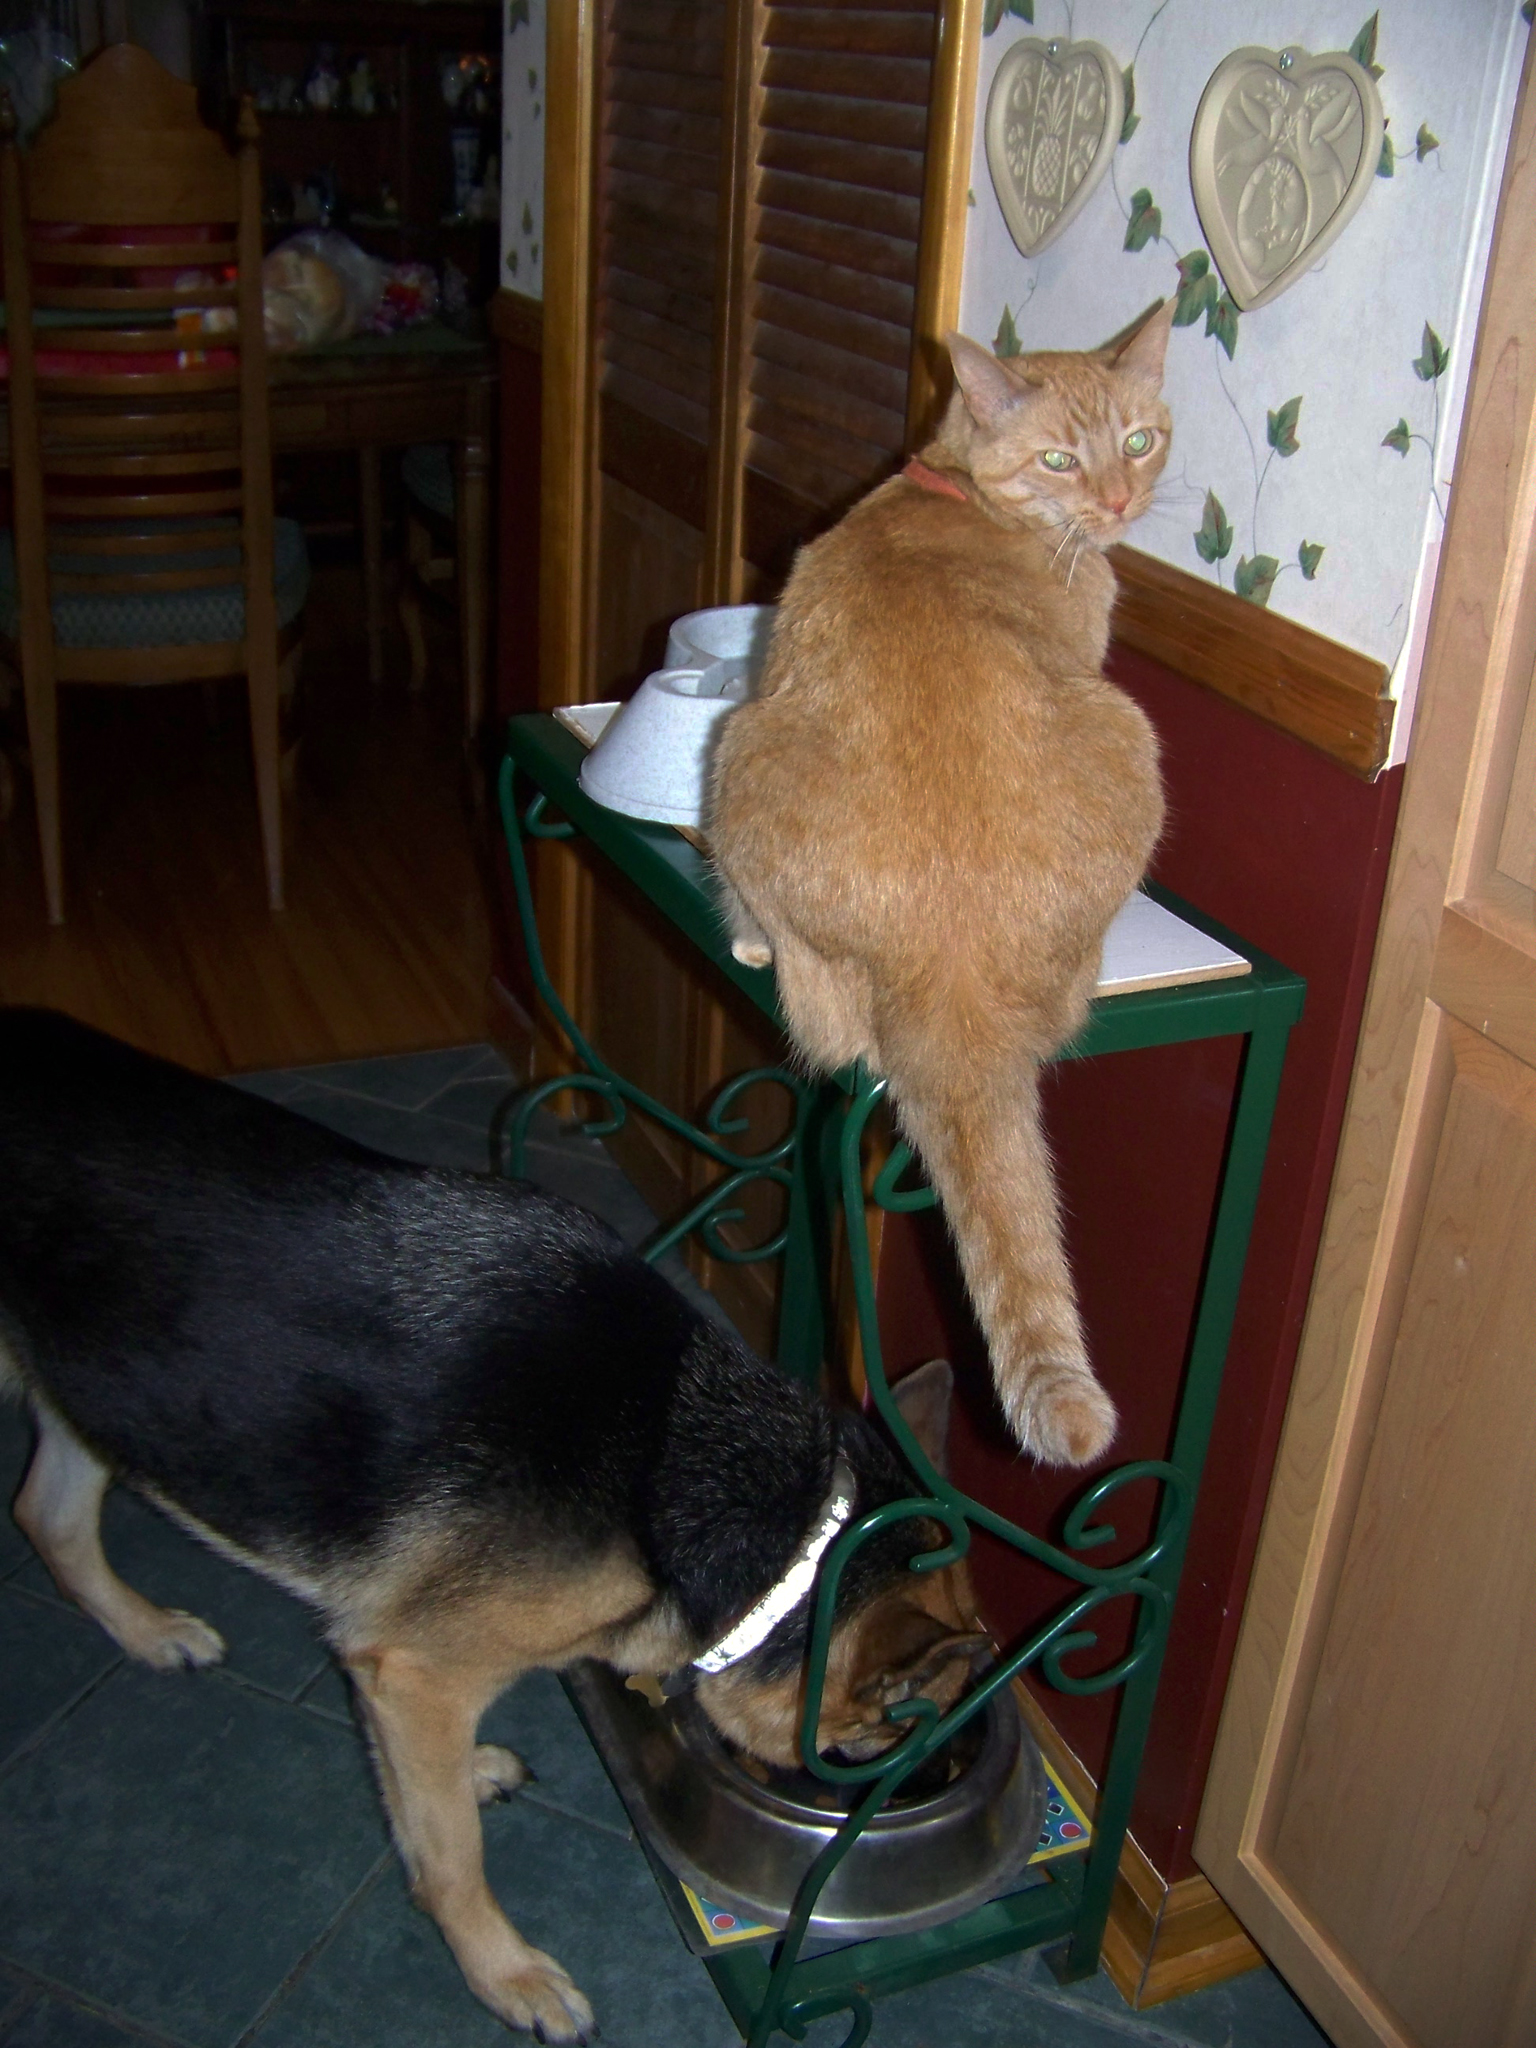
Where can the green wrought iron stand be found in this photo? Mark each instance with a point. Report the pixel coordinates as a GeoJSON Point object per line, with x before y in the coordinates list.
{"type": "Point", "coordinates": [818, 1163]}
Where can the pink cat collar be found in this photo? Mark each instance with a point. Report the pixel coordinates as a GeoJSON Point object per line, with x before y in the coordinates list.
{"type": "Point", "coordinates": [932, 480]}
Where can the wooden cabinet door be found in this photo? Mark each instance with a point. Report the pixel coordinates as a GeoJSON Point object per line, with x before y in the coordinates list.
{"type": "Point", "coordinates": [752, 234]}
{"type": "Point", "coordinates": [1371, 1810]}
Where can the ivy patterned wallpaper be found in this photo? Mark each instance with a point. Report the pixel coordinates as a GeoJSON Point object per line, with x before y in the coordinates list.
{"type": "Point", "coordinates": [522, 147]}
{"type": "Point", "coordinates": [1313, 438]}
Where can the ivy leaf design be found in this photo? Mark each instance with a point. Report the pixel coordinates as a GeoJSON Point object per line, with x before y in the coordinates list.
{"type": "Point", "coordinates": [1213, 543]}
{"type": "Point", "coordinates": [1363, 48]}
{"type": "Point", "coordinates": [1197, 289]}
{"type": "Point", "coordinates": [1146, 222]}
{"type": "Point", "coordinates": [1528, 12]}
{"type": "Point", "coordinates": [1399, 438]}
{"type": "Point", "coordinates": [1256, 579]}
{"type": "Point", "coordinates": [1132, 119]}
{"type": "Point", "coordinates": [1309, 554]}
{"type": "Point", "coordinates": [1424, 141]}
{"type": "Point", "coordinates": [992, 15]}
{"type": "Point", "coordinates": [1024, 9]}
{"type": "Point", "coordinates": [1431, 361]}
{"type": "Point", "coordinates": [527, 218]}
{"type": "Point", "coordinates": [1221, 321]}
{"type": "Point", "coordinates": [512, 261]}
{"type": "Point", "coordinates": [1282, 427]}
{"type": "Point", "coordinates": [517, 15]}
{"type": "Point", "coordinates": [1006, 341]}
{"type": "Point", "coordinates": [1386, 163]}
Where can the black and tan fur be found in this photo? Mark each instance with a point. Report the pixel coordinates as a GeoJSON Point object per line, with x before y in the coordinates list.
{"type": "Point", "coordinates": [452, 1413]}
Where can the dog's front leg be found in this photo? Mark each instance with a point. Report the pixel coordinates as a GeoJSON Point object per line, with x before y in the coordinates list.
{"type": "Point", "coordinates": [422, 1720]}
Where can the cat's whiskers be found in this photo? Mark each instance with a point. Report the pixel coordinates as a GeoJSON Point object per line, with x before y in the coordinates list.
{"type": "Point", "coordinates": [1072, 526]}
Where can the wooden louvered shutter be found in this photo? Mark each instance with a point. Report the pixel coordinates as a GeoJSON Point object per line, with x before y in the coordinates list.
{"type": "Point", "coordinates": [733, 279]}
{"type": "Point", "coordinates": [842, 121]}
{"type": "Point", "coordinates": [829, 152]}
{"type": "Point", "coordinates": [658, 175]}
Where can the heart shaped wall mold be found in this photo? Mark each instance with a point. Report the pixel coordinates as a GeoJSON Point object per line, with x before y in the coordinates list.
{"type": "Point", "coordinates": [1053, 125]}
{"type": "Point", "coordinates": [1283, 152]}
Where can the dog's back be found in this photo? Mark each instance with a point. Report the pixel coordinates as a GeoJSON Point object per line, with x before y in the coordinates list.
{"type": "Point", "coordinates": [299, 1342]}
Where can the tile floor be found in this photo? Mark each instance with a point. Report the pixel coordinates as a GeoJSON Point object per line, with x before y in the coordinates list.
{"type": "Point", "coordinates": [200, 1861]}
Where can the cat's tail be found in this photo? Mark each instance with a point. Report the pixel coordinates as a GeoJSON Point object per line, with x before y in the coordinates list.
{"type": "Point", "coordinates": [975, 1125]}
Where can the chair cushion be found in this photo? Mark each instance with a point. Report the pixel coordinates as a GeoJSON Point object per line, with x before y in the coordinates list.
{"type": "Point", "coordinates": [159, 618]}
{"type": "Point", "coordinates": [426, 470]}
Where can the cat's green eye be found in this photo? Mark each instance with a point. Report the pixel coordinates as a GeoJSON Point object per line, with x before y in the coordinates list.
{"type": "Point", "coordinates": [1058, 458]}
{"type": "Point", "coordinates": [1139, 442]}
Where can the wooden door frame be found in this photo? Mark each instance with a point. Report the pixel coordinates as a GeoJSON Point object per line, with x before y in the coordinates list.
{"type": "Point", "coordinates": [568, 438]}
{"type": "Point", "coordinates": [1481, 647]}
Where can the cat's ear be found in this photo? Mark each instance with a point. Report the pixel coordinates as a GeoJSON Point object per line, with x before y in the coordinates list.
{"type": "Point", "coordinates": [988, 390]}
{"type": "Point", "coordinates": [1141, 354]}
{"type": "Point", "coordinates": [924, 1399]}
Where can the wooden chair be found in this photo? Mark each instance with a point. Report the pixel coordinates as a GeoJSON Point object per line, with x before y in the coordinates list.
{"type": "Point", "coordinates": [144, 543]}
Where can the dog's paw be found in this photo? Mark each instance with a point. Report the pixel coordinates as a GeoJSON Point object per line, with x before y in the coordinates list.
{"type": "Point", "coordinates": [752, 952]}
{"type": "Point", "coordinates": [173, 1641]}
{"type": "Point", "coordinates": [498, 1773]}
{"type": "Point", "coordinates": [539, 1997]}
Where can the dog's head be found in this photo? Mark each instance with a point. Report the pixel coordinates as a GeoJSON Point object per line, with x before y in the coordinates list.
{"type": "Point", "coordinates": [905, 1634]}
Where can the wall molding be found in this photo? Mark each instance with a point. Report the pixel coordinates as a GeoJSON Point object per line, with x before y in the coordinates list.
{"type": "Point", "coordinates": [1161, 1940]}
{"type": "Point", "coordinates": [517, 319]}
{"type": "Point", "coordinates": [1319, 691]}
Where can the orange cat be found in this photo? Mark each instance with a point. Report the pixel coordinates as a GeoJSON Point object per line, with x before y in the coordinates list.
{"type": "Point", "coordinates": [935, 804]}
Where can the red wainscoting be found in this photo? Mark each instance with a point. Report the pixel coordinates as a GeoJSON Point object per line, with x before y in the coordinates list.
{"type": "Point", "coordinates": [1288, 849]}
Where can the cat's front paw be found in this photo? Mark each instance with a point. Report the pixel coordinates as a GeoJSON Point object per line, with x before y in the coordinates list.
{"type": "Point", "coordinates": [1061, 1415]}
{"type": "Point", "coordinates": [752, 952]}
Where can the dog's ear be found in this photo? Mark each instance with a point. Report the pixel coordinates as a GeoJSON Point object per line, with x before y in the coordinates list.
{"type": "Point", "coordinates": [906, 1651]}
{"type": "Point", "coordinates": [925, 1398]}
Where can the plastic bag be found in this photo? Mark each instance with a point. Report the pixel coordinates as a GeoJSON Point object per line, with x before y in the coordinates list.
{"type": "Point", "coordinates": [410, 297]}
{"type": "Point", "coordinates": [317, 287]}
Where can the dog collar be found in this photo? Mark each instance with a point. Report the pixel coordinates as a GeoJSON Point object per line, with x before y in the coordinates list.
{"type": "Point", "coordinates": [759, 1622]}
{"type": "Point", "coordinates": [932, 480]}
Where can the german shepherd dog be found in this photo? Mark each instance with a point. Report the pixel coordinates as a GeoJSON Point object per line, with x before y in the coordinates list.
{"type": "Point", "coordinates": [453, 1414]}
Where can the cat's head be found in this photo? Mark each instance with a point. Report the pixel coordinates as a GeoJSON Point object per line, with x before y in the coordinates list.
{"type": "Point", "coordinates": [1063, 439]}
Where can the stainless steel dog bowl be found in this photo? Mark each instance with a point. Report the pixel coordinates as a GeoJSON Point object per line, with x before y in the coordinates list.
{"type": "Point", "coordinates": [936, 1851]}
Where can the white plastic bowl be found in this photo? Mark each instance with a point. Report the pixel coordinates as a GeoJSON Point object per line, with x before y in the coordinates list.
{"type": "Point", "coordinates": [737, 633]}
{"type": "Point", "coordinates": [652, 760]}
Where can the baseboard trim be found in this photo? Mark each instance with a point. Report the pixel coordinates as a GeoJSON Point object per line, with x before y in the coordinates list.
{"type": "Point", "coordinates": [1161, 1939]}
{"type": "Point", "coordinates": [1331, 696]}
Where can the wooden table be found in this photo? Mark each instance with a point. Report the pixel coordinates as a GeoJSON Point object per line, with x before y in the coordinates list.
{"type": "Point", "coordinates": [383, 391]}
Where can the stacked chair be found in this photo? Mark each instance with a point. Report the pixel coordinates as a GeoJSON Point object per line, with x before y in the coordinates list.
{"type": "Point", "coordinates": [144, 548]}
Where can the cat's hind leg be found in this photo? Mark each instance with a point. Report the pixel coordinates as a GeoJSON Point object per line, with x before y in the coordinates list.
{"type": "Point", "coordinates": [59, 1509]}
{"type": "Point", "coordinates": [827, 1003]}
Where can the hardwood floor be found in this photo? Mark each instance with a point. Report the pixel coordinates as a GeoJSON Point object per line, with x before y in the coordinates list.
{"type": "Point", "coordinates": [386, 944]}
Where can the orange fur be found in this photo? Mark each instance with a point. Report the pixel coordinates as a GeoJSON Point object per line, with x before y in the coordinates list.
{"type": "Point", "coordinates": [936, 803]}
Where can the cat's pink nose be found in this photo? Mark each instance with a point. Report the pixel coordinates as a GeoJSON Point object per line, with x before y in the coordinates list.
{"type": "Point", "coordinates": [1118, 505]}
